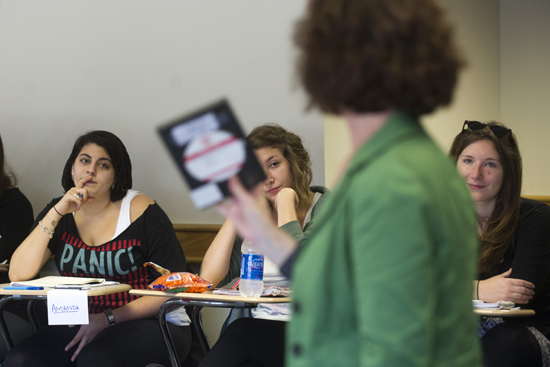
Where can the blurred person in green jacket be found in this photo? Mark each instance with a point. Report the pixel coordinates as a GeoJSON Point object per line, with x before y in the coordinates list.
{"type": "Point", "coordinates": [385, 279]}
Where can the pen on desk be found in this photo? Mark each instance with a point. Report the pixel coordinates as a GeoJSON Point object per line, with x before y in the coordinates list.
{"type": "Point", "coordinates": [24, 288]}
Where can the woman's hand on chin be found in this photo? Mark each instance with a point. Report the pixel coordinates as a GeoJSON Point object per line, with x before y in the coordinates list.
{"type": "Point", "coordinates": [252, 219]}
{"type": "Point", "coordinates": [286, 198]}
{"type": "Point", "coordinates": [74, 198]}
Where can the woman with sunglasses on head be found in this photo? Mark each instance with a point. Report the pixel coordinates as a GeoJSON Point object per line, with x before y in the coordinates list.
{"type": "Point", "coordinates": [101, 228]}
{"type": "Point", "coordinates": [514, 263]}
{"type": "Point", "coordinates": [294, 207]}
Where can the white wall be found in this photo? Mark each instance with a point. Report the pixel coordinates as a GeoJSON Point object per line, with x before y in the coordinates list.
{"type": "Point", "coordinates": [506, 44]}
{"type": "Point", "coordinates": [525, 80]}
{"type": "Point", "coordinates": [128, 66]}
{"type": "Point", "coordinates": [477, 96]}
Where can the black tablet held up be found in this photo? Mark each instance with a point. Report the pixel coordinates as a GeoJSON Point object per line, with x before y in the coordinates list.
{"type": "Point", "coordinates": [209, 147]}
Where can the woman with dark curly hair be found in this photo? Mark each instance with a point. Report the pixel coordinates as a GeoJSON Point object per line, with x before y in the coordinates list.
{"type": "Point", "coordinates": [101, 228]}
{"type": "Point", "coordinates": [385, 279]}
{"type": "Point", "coordinates": [514, 263]}
{"type": "Point", "coordinates": [294, 208]}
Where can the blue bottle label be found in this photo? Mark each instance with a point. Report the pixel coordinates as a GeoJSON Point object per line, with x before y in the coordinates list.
{"type": "Point", "coordinates": [252, 267]}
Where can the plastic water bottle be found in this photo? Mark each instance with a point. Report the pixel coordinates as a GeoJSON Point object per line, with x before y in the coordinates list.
{"type": "Point", "coordinates": [251, 283]}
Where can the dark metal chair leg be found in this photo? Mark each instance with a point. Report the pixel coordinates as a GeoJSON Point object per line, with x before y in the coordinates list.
{"type": "Point", "coordinates": [31, 312]}
{"type": "Point", "coordinates": [3, 327]}
{"type": "Point", "coordinates": [195, 320]}
{"type": "Point", "coordinates": [166, 333]}
{"type": "Point", "coordinates": [197, 324]}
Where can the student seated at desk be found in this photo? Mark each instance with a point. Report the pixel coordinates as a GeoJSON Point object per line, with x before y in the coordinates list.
{"type": "Point", "coordinates": [16, 215]}
{"type": "Point", "coordinates": [514, 263]}
{"type": "Point", "coordinates": [16, 219]}
{"type": "Point", "coordinates": [294, 206]}
{"type": "Point", "coordinates": [101, 228]}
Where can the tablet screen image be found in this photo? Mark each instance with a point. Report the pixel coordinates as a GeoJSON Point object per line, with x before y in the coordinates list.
{"type": "Point", "coordinates": [209, 147]}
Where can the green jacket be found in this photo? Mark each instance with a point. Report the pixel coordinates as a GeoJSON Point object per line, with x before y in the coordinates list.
{"type": "Point", "coordinates": [386, 279]}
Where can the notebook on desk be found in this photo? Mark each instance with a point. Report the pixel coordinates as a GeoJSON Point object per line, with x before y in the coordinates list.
{"type": "Point", "coordinates": [53, 281]}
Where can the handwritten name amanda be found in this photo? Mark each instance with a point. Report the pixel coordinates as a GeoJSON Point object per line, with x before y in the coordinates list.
{"type": "Point", "coordinates": [64, 309]}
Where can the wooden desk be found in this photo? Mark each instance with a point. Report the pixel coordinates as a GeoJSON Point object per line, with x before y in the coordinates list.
{"type": "Point", "coordinates": [210, 297]}
{"type": "Point", "coordinates": [503, 313]}
{"type": "Point", "coordinates": [32, 296]}
{"type": "Point", "coordinates": [199, 300]}
{"type": "Point", "coordinates": [95, 291]}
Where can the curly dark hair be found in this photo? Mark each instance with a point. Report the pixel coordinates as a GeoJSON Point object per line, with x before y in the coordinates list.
{"type": "Point", "coordinates": [116, 151]}
{"type": "Point", "coordinates": [275, 136]}
{"type": "Point", "coordinates": [500, 230]}
{"type": "Point", "coordinates": [376, 55]}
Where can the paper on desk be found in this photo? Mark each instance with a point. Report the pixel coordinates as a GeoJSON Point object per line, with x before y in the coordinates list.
{"type": "Point", "coordinates": [268, 291]}
{"type": "Point", "coordinates": [501, 305]}
{"type": "Point", "coordinates": [67, 307]}
{"type": "Point", "coordinates": [481, 304]}
{"type": "Point", "coordinates": [104, 284]}
{"type": "Point", "coordinates": [52, 281]}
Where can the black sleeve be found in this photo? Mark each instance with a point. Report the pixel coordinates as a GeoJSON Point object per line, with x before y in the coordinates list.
{"type": "Point", "coordinates": [163, 246]}
{"type": "Point", "coordinates": [532, 249]}
{"type": "Point", "coordinates": [16, 218]}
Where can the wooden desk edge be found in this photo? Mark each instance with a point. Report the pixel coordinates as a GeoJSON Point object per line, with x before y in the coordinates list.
{"type": "Point", "coordinates": [209, 296]}
{"type": "Point", "coordinates": [503, 313]}
{"type": "Point", "coordinates": [95, 291]}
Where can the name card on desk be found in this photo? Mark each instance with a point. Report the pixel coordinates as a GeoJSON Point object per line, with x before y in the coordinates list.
{"type": "Point", "coordinates": [67, 307]}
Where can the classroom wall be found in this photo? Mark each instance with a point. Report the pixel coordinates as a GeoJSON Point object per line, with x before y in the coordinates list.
{"type": "Point", "coordinates": [477, 95]}
{"type": "Point", "coordinates": [525, 81]}
{"type": "Point", "coordinates": [128, 66]}
{"type": "Point", "coordinates": [506, 46]}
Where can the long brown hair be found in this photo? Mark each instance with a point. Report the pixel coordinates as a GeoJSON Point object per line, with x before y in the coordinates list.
{"type": "Point", "coordinates": [7, 179]}
{"type": "Point", "coordinates": [500, 228]}
{"type": "Point", "coordinates": [290, 144]}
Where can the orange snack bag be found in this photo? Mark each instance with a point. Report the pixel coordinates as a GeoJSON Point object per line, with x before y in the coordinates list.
{"type": "Point", "coordinates": [178, 281]}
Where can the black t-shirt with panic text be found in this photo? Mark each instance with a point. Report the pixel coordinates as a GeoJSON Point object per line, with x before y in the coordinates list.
{"type": "Point", "coordinates": [150, 237]}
